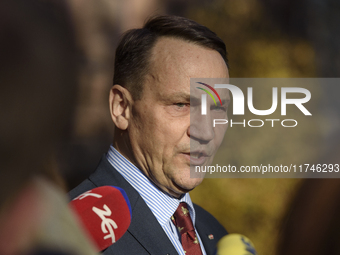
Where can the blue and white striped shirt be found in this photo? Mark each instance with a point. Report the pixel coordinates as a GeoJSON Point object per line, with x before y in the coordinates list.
{"type": "Point", "coordinates": [161, 204]}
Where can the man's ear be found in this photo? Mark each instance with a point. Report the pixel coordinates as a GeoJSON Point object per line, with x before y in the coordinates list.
{"type": "Point", "coordinates": [120, 103]}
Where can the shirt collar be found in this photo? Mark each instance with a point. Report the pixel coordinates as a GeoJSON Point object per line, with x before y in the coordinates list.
{"type": "Point", "coordinates": [162, 205]}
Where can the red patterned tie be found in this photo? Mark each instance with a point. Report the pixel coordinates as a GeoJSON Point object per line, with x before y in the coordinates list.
{"type": "Point", "coordinates": [182, 221]}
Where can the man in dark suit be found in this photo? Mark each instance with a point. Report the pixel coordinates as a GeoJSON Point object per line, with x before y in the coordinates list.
{"type": "Point", "coordinates": [155, 145]}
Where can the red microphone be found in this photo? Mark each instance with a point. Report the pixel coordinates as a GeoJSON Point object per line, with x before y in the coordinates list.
{"type": "Point", "coordinates": [105, 213]}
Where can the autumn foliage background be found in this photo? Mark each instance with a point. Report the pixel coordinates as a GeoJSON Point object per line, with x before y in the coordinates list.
{"type": "Point", "coordinates": [264, 38]}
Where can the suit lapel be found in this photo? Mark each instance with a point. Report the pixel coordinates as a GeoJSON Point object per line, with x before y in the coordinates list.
{"type": "Point", "coordinates": [144, 226]}
{"type": "Point", "coordinates": [209, 244]}
{"type": "Point", "coordinates": [209, 229]}
{"type": "Point", "coordinates": [151, 235]}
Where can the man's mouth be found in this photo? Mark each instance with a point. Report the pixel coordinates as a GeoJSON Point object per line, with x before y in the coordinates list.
{"type": "Point", "coordinates": [195, 155]}
{"type": "Point", "coordinates": [198, 157]}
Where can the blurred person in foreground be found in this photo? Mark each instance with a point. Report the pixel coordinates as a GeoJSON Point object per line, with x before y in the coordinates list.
{"type": "Point", "coordinates": [312, 225]}
{"type": "Point", "coordinates": [150, 157]}
{"type": "Point", "coordinates": [38, 85]}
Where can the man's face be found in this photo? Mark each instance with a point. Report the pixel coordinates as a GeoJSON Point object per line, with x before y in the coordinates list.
{"type": "Point", "coordinates": [159, 127]}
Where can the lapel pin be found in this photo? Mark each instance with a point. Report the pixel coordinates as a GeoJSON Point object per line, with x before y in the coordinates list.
{"type": "Point", "coordinates": [211, 236]}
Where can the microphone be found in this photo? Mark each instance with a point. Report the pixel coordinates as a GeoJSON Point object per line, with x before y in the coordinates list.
{"type": "Point", "coordinates": [235, 244]}
{"type": "Point", "coordinates": [105, 213]}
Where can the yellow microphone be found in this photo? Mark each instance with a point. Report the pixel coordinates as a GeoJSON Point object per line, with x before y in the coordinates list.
{"type": "Point", "coordinates": [235, 244]}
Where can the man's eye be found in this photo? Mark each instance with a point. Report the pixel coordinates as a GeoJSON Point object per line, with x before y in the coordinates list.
{"type": "Point", "coordinates": [180, 105]}
{"type": "Point", "coordinates": [219, 108]}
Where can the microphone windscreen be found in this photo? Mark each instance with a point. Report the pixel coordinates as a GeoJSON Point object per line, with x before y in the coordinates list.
{"type": "Point", "coordinates": [105, 213]}
{"type": "Point", "coordinates": [235, 244]}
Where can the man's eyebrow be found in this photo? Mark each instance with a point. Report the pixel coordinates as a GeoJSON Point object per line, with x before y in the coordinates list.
{"type": "Point", "coordinates": [178, 96]}
{"type": "Point", "coordinates": [187, 98]}
{"type": "Point", "coordinates": [195, 100]}
{"type": "Point", "coordinates": [225, 101]}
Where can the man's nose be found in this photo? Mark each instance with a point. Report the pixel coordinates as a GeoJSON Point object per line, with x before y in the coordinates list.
{"type": "Point", "coordinates": [201, 128]}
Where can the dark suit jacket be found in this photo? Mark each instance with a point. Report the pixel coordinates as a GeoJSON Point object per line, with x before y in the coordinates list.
{"type": "Point", "coordinates": [145, 235]}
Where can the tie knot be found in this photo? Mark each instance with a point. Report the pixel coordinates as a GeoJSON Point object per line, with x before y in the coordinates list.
{"type": "Point", "coordinates": [182, 218]}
